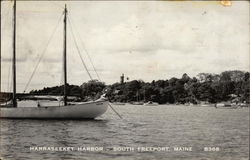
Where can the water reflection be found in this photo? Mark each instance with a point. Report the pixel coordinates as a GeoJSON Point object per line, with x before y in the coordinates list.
{"type": "Point", "coordinates": [142, 126]}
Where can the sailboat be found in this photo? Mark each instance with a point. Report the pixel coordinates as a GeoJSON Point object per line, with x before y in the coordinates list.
{"type": "Point", "coordinates": [138, 102]}
{"type": "Point", "coordinates": [82, 110]}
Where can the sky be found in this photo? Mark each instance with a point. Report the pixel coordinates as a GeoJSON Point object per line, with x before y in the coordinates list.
{"type": "Point", "coordinates": [146, 40]}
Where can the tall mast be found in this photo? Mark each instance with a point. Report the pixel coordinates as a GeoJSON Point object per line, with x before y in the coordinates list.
{"type": "Point", "coordinates": [65, 56]}
{"type": "Point", "coordinates": [14, 56]}
{"type": "Point", "coordinates": [0, 45]}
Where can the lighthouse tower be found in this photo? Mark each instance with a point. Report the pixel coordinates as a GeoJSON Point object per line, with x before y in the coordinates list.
{"type": "Point", "coordinates": [122, 79]}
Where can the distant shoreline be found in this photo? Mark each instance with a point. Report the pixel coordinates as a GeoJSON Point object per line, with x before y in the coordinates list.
{"type": "Point", "coordinates": [229, 87]}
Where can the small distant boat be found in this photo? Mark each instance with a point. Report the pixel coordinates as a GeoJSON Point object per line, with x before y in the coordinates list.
{"type": "Point", "coordinates": [205, 105]}
{"type": "Point", "coordinates": [150, 103]}
{"type": "Point", "coordinates": [243, 105]}
{"type": "Point", "coordinates": [226, 106]}
{"type": "Point", "coordinates": [188, 104]}
{"type": "Point", "coordinates": [137, 103]}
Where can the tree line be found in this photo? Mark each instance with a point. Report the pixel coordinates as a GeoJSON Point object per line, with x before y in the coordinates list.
{"type": "Point", "coordinates": [205, 87]}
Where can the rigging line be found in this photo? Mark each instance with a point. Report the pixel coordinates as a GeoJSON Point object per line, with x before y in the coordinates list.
{"type": "Point", "coordinates": [85, 50]}
{"type": "Point", "coordinates": [78, 51]}
{"type": "Point", "coordinates": [115, 111]}
{"type": "Point", "coordinates": [40, 58]}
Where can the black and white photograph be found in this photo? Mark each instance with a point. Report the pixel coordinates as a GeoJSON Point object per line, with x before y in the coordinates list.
{"type": "Point", "coordinates": [124, 80]}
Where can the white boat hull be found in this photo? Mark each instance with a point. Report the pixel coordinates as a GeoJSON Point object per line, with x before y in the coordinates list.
{"type": "Point", "coordinates": [88, 110]}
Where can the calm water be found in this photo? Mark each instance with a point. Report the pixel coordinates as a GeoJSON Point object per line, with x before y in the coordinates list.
{"type": "Point", "coordinates": [142, 126]}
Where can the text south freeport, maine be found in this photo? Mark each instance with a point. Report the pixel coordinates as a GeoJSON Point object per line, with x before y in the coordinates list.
{"type": "Point", "coordinates": [115, 149]}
